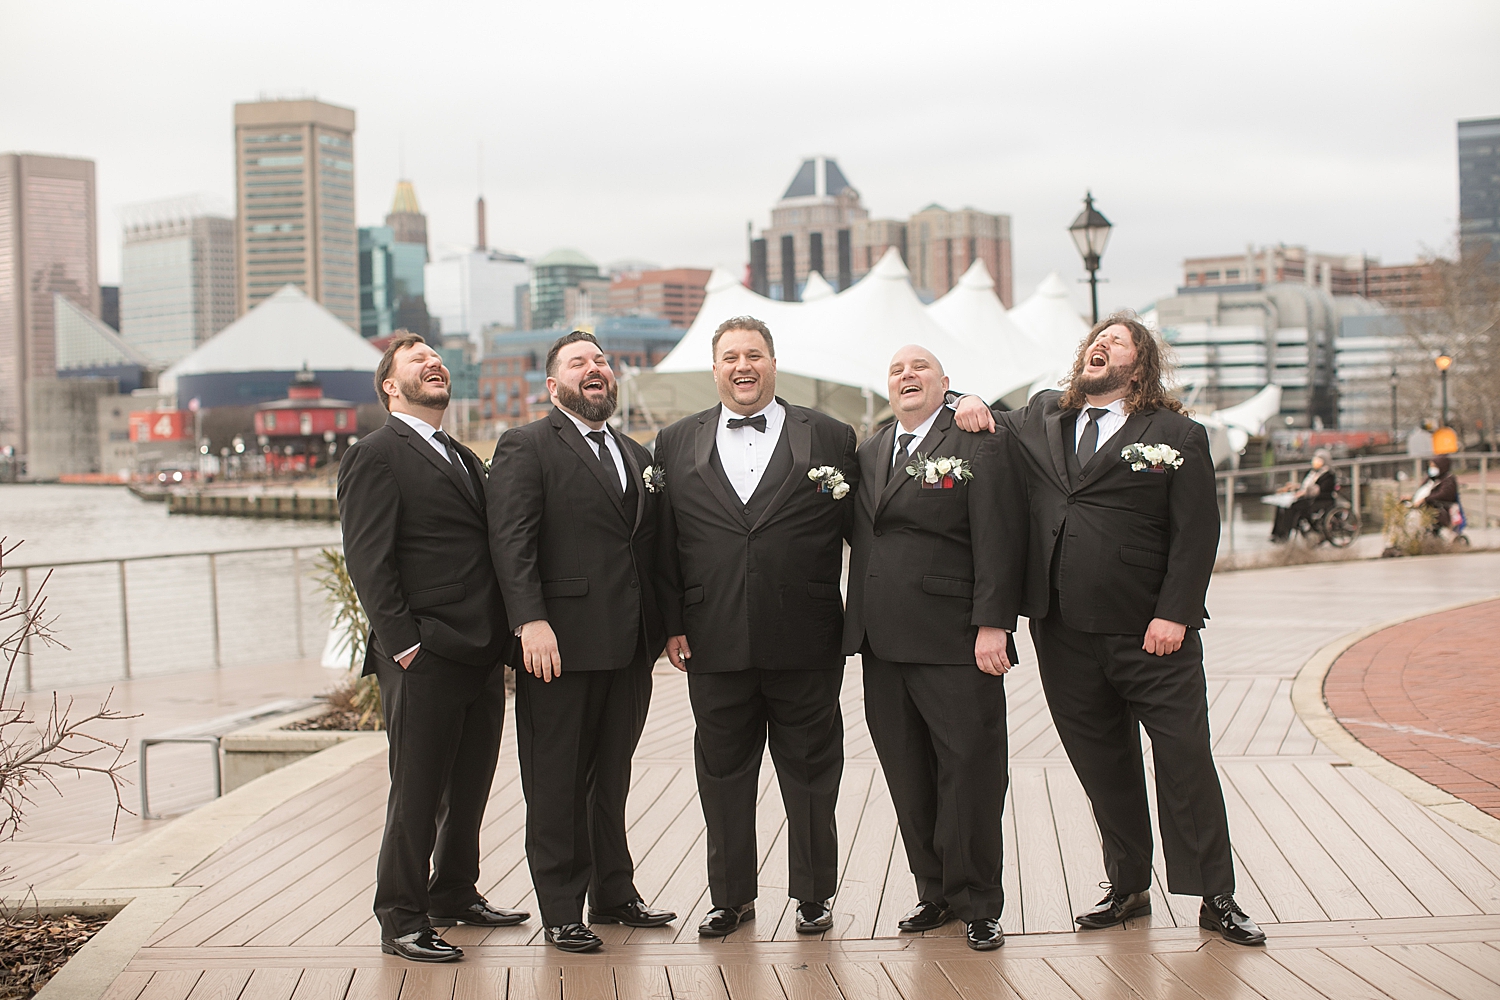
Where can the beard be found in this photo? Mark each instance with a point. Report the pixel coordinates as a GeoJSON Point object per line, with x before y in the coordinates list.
{"type": "Point", "coordinates": [419, 393]}
{"type": "Point", "coordinates": [1110, 380]}
{"type": "Point", "coordinates": [593, 410]}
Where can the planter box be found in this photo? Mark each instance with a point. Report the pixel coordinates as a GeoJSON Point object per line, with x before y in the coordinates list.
{"type": "Point", "coordinates": [265, 747]}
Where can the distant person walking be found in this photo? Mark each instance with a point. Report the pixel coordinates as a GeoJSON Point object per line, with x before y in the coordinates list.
{"type": "Point", "coordinates": [415, 538]}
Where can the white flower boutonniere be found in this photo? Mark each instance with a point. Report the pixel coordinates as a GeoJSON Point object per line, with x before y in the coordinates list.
{"type": "Point", "coordinates": [1155, 457]}
{"type": "Point", "coordinates": [933, 473]}
{"type": "Point", "coordinates": [829, 480]}
{"type": "Point", "coordinates": [655, 478]}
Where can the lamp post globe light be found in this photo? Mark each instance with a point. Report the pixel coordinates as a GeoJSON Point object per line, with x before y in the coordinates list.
{"type": "Point", "coordinates": [1090, 232]}
{"type": "Point", "coordinates": [1444, 361]}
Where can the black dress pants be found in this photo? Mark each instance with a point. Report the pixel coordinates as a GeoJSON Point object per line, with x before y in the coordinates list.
{"type": "Point", "coordinates": [798, 711]}
{"type": "Point", "coordinates": [443, 719]}
{"type": "Point", "coordinates": [1099, 687]}
{"type": "Point", "coordinates": [940, 734]}
{"type": "Point", "coordinates": [575, 736]}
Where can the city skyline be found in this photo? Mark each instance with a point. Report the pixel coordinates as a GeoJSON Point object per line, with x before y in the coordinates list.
{"type": "Point", "coordinates": [1213, 131]}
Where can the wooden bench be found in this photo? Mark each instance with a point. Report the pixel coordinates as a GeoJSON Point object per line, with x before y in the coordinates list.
{"type": "Point", "coordinates": [211, 732]}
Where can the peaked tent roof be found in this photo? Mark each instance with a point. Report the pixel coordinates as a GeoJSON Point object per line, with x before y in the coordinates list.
{"type": "Point", "coordinates": [972, 312]}
{"type": "Point", "coordinates": [817, 287]}
{"type": "Point", "coordinates": [1049, 319]}
{"type": "Point", "coordinates": [286, 332]}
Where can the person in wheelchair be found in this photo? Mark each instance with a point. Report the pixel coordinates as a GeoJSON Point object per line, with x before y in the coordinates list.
{"type": "Point", "coordinates": [1439, 494]}
{"type": "Point", "coordinates": [1317, 493]}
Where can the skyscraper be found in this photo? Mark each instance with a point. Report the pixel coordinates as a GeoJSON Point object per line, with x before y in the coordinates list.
{"type": "Point", "coordinates": [811, 231]}
{"type": "Point", "coordinates": [1479, 182]}
{"type": "Point", "coordinates": [48, 244]}
{"type": "Point", "coordinates": [177, 277]}
{"type": "Point", "coordinates": [294, 174]}
{"type": "Point", "coordinates": [405, 218]}
{"type": "Point", "coordinates": [409, 259]}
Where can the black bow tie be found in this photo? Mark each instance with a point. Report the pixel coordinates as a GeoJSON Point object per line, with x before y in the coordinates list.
{"type": "Point", "coordinates": [758, 422]}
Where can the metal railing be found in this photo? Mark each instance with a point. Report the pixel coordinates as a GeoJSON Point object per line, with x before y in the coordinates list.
{"type": "Point", "coordinates": [1361, 480]}
{"type": "Point", "coordinates": [121, 618]}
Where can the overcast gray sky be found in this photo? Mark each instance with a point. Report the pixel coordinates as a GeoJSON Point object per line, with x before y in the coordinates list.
{"type": "Point", "coordinates": [656, 130]}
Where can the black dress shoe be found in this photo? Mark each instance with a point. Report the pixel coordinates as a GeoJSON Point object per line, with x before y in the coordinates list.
{"type": "Point", "coordinates": [1221, 913]}
{"type": "Point", "coordinates": [985, 934]}
{"type": "Point", "coordinates": [421, 946]}
{"type": "Point", "coordinates": [813, 917]}
{"type": "Point", "coordinates": [480, 914]}
{"type": "Point", "coordinates": [632, 914]}
{"type": "Point", "coordinates": [926, 916]}
{"type": "Point", "coordinates": [1115, 909]}
{"type": "Point", "coordinates": [722, 920]}
{"type": "Point", "coordinates": [572, 937]}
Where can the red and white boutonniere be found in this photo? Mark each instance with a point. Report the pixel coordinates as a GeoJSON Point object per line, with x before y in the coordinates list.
{"type": "Point", "coordinates": [933, 473]}
{"type": "Point", "coordinates": [1155, 457]}
{"type": "Point", "coordinates": [829, 480]}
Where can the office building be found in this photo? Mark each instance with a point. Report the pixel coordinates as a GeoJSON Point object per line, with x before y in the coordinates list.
{"type": "Point", "coordinates": [942, 245]}
{"type": "Point", "coordinates": [1479, 184]}
{"type": "Point", "coordinates": [405, 217]}
{"type": "Point", "coordinates": [48, 246]}
{"type": "Point", "coordinates": [553, 276]}
{"type": "Point", "coordinates": [674, 295]}
{"type": "Point", "coordinates": [177, 277]}
{"type": "Point", "coordinates": [1395, 286]}
{"type": "Point", "coordinates": [294, 174]}
{"type": "Point", "coordinates": [811, 230]}
{"type": "Point", "coordinates": [473, 291]}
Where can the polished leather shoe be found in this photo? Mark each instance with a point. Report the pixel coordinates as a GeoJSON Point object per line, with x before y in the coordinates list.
{"type": "Point", "coordinates": [480, 914]}
{"type": "Point", "coordinates": [722, 920]}
{"type": "Point", "coordinates": [421, 946]}
{"type": "Point", "coordinates": [572, 937]}
{"type": "Point", "coordinates": [985, 934]}
{"type": "Point", "coordinates": [813, 917]}
{"type": "Point", "coordinates": [632, 914]}
{"type": "Point", "coordinates": [1115, 909]}
{"type": "Point", "coordinates": [926, 916]}
{"type": "Point", "coordinates": [1221, 913]}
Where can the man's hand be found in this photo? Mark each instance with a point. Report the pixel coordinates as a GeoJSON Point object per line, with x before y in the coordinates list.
{"type": "Point", "coordinates": [1163, 637]}
{"type": "Point", "coordinates": [539, 647]}
{"type": "Point", "coordinates": [989, 650]}
{"type": "Point", "coordinates": [405, 661]}
{"type": "Point", "coordinates": [973, 416]}
{"type": "Point", "coordinates": [678, 652]}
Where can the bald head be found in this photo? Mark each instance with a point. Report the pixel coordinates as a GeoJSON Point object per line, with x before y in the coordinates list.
{"type": "Point", "coordinates": [915, 385]}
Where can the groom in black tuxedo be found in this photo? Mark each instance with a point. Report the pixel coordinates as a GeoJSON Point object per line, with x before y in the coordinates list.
{"type": "Point", "coordinates": [573, 531]}
{"type": "Point", "coordinates": [412, 504]}
{"type": "Point", "coordinates": [934, 588]}
{"type": "Point", "coordinates": [752, 555]}
{"type": "Point", "coordinates": [1121, 551]}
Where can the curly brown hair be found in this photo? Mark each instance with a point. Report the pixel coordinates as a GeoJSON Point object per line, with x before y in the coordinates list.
{"type": "Point", "coordinates": [1148, 390]}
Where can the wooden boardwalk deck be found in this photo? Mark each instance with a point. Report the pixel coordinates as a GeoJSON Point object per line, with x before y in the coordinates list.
{"type": "Point", "coordinates": [1363, 892]}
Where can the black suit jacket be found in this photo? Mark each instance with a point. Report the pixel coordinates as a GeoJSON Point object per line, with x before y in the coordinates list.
{"type": "Point", "coordinates": [417, 547]}
{"type": "Point", "coordinates": [566, 550]}
{"type": "Point", "coordinates": [1131, 546]}
{"type": "Point", "coordinates": [931, 565]}
{"type": "Point", "coordinates": [762, 594]}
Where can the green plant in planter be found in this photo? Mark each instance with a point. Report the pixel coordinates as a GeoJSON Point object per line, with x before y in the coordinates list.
{"type": "Point", "coordinates": [357, 694]}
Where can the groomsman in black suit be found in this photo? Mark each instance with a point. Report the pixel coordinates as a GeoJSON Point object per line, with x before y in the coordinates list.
{"type": "Point", "coordinates": [1121, 551]}
{"type": "Point", "coordinates": [752, 556]}
{"type": "Point", "coordinates": [573, 531]}
{"type": "Point", "coordinates": [415, 540]}
{"type": "Point", "coordinates": [939, 548]}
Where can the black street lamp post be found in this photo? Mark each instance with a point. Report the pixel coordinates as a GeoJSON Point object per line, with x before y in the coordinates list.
{"type": "Point", "coordinates": [1444, 361]}
{"type": "Point", "coordinates": [1090, 232]}
{"type": "Point", "coordinates": [1395, 423]}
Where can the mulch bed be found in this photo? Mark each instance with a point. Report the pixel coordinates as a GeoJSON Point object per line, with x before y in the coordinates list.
{"type": "Point", "coordinates": [341, 719]}
{"type": "Point", "coordinates": [32, 949]}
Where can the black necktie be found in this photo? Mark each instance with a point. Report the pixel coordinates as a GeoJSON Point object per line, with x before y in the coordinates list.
{"type": "Point", "coordinates": [463, 472]}
{"type": "Point", "coordinates": [1089, 443]}
{"type": "Point", "coordinates": [903, 454]}
{"type": "Point", "coordinates": [758, 422]}
{"type": "Point", "coordinates": [606, 459]}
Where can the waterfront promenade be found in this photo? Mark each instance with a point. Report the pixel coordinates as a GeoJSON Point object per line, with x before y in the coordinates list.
{"type": "Point", "coordinates": [1363, 891]}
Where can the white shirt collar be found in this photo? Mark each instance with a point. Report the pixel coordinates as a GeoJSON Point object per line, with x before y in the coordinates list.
{"type": "Point", "coordinates": [921, 429]}
{"type": "Point", "coordinates": [583, 428]}
{"type": "Point", "coordinates": [1117, 407]}
{"type": "Point", "coordinates": [417, 423]}
{"type": "Point", "coordinates": [772, 410]}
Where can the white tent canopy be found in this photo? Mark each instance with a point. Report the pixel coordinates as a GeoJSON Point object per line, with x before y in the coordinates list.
{"type": "Point", "coordinates": [972, 312]}
{"type": "Point", "coordinates": [1050, 320]}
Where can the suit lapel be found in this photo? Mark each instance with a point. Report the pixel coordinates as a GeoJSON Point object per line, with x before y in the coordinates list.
{"type": "Point", "coordinates": [1108, 454]}
{"type": "Point", "coordinates": [877, 456]}
{"type": "Point", "coordinates": [927, 446]}
{"type": "Point", "coordinates": [633, 475]}
{"type": "Point", "coordinates": [799, 431]}
{"type": "Point", "coordinates": [428, 450]}
{"type": "Point", "coordinates": [1053, 421]}
{"type": "Point", "coordinates": [585, 452]}
{"type": "Point", "coordinates": [703, 449]}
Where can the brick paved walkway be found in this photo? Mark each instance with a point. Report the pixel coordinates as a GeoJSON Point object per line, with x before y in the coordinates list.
{"type": "Point", "coordinates": [1425, 695]}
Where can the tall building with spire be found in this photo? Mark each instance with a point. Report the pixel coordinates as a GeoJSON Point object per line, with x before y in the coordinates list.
{"type": "Point", "coordinates": [392, 265]}
{"type": "Point", "coordinates": [405, 217]}
{"type": "Point", "coordinates": [811, 230]}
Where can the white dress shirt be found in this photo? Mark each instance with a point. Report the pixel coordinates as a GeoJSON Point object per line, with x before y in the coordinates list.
{"type": "Point", "coordinates": [609, 442]}
{"type": "Point", "coordinates": [745, 452]}
{"type": "Point", "coordinates": [1109, 424]}
{"type": "Point", "coordinates": [920, 431]}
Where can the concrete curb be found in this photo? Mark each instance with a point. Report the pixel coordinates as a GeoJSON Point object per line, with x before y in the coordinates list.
{"type": "Point", "coordinates": [1312, 709]}
{"type": "Point", "coordinates": [138, 879]}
